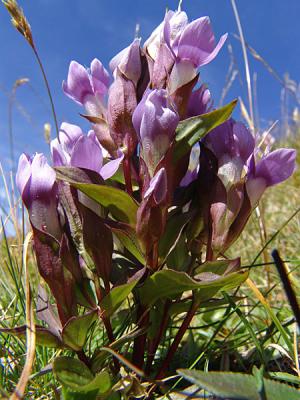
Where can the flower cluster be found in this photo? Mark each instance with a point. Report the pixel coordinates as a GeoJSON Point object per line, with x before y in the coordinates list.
{"type": "Point", "coordinates": [160, 171]}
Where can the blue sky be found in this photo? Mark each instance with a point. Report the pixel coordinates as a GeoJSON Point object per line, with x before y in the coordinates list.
{"type": "Point", "coordinates": [81, 30]}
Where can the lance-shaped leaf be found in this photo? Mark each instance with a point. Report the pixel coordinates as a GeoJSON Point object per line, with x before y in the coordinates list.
{"type": "Point", "coordinates": [98, 242]}
{"type": "Point", "coordinates": [75, 331]}
{"type": "Point", "coordinates": [174, 227]}
{"type": "Point", "coordinates": [238, 386]}
{"type": "Point", "coordinates": [44, 337]}
{"type": "Point", "coordinates": [191, 130]}
{"type": "Point", "coordinates": [127, 236]}
{"type": "Point", "coordinates": [57, 276]}
{"type": "Point", "coordinates": [122, 206]}
{"type": "Point", "coordinates": [76, 378]}
{"type": "Point", "coordinates": [168, 283]}
{"type": "Point", "coordinates": [112, 301]}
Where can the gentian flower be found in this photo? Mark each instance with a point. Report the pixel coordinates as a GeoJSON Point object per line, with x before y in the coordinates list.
{"type": "Point", "coordinates": [87, 87]}
{"type": "Point", "coordinates": [155, 121]}
{"type": "Point", "coordinates": [192, 44]}
{"type": "Point", "coordinates": [122, 100]}
{"type": "Point", "coordinates": [36, 183]}
{"type": "Point", "coordinates": [77, 150]}
{"type": "Point", "coordinates": [232, 144]}
{"type": "Point", "coordinates": [129, 62]}
{"type": "Point", "coordinates": [272, 169]}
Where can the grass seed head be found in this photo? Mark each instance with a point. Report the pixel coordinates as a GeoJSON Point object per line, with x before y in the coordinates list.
{"type": "Point", "coordinates": [19, 20]}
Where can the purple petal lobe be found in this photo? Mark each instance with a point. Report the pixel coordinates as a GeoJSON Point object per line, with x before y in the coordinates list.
{"type": "Point", "coordinates": [158, 186]}
{"type": "Point", "coordinates": [99, 77]}
{"type": "Point", "coordinates": [57, 153]}
{"type": "Point", "coordinates": [199, 102]}
{"type": "Point", "coordinates": [197, 43]}
{"type": "Point", "coordinates": [68, 136]}
{"type": "Point", "coordinates": [87, 154]}
{"type": "Point", "coordinates": [23, 174]}
{"type": "Point", "coordinates": [277, 166]}
{"type": "Point", "coordinates": [78, 83]}
{"type": "Point", "coordinates": [111, 167]}
{"type": "Point", "coordinates": [129, 61]}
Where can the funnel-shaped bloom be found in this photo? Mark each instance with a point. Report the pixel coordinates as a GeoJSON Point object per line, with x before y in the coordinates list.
{"type": "Point", "coordinates": [272, 169]}
{"type": "Point", "coordinates": [129, 62]}
{"type": "Point", "coordinates": [77, 150]}
{"type": "Point", "coordinates": [36, 183]}
{"type": "Point", "coordinates": [87, 87]}
{"type": "Point", "coordinates": [232, 144]}
{"type": "Point", "coordinates": [192, 45]}
{"type": "Point", "coordinates": [155, 122]}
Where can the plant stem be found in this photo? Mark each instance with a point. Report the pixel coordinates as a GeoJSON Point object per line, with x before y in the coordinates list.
{"type": "Point", "coordinates": [48, 88]}
{"type": "Point", "coordinates": [153, 345]}
{"type": "Point", "coordinates": [127, 174]}
{"type": "Point", "coordinates": [82, 357]}
{"type": "Point", "coordinates": [140, 341]}
{"type": "Point", "coordinates": [186, 322]}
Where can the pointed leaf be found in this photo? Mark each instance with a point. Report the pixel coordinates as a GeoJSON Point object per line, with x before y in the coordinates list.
{"type": "Point", "coordinates": [174, 227]}
{"type": "Point", "coordinates": [75, 376]}
{"type": "Point", "coordinates": [170, 283]}
{"type": "Point", "coordinates": [127, 236]}
{"type": "Point", "coordinates": [122, 206]}
{"type": "Point", "coordinates": [118, 294]}
{"type": "Point", "coordinates": [44, 337]}
{"type": "Point", "coordinates": [75, 331]}
{"type": "Point", "coordinates": [191, 130]}
{"type": "Point", "coordinates": [238, 386]}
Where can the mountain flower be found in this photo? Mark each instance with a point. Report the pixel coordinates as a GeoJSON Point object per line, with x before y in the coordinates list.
{"type": "Point", "coordinates": [155, 121]}
{"type": "Point", "coordinates": [75, 149]}
{"type": "Point", "coordinates": [36, 183]}
{"type": "Point", "coordinates": [271, 169]}
{"type": "Point", "coordinates": [87, 87]}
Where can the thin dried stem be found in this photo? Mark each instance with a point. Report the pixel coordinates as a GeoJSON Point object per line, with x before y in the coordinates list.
{"type": "Point", "coordinates": [20, 22]}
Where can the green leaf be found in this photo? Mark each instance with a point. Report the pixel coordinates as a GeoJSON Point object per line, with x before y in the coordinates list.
{"type": "Point", "coordinates": [118, 294]}
{"type": "Point", "coordinates": [238, 386]}
{"type": "Point", "coordinates": [44, 337]}
{"type": "Point", "coordinates": [170, 283]}
{"type": "Point", "coordinates": [75, 377]}
{"type": "Point", "coordinates": [127, 236]}
{"type": "Point", "coordinates": [174, 227]}
{"type": "Point", "coordinates": [122, 206]}
{"type": "Point", "coordinates": [191, 130]}
{"type": "Point", "coordinates": [75, 331]}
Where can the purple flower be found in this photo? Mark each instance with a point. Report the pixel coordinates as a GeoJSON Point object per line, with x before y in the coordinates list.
{"type": "Point", "coordinates": [36, 183]}
{"type": "Point", "coordinates": [75, 149]}
{"type": "Point", "coordinates": [87, 87]}
{"type": "Point", "coordinates": [199, 102]}
{"type": "Point", "coordinates": [158, 187]}
{"type": "Point", "coordinates": [129, 62]}
{"type": "Point", "coordinates": [272, 169]}
{"type": "Point", "coordinates": [155, 122]}
{"type": "Point", "coordinates": [232, 144]}
{"type": "Point", "coordinates": [192, 45]}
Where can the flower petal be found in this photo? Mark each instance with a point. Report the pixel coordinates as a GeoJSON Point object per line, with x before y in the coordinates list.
{"type": "Point", "coordinates": [99, 77]}
{"type": "Point", "coordinates": [158, 187]}
{"type": "Point", "coordinates": [87, 154]}
{"type": "Point", "coordinates": [78, 83]}
{"type": "Point", "coordinates": [111, 167]}
{"type": "Point", "coordinates": [197, 43]}
{"type": "Point", "coordinates": [277, 166]}
{"type": "Point", "coordinates": [23, 175]}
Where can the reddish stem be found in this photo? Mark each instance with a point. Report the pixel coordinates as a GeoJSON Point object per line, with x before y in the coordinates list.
{"type": "Point", "coordinates": [177, 340]}
{"type": "Point", "coordinates": [140, 341]}
{"type": "Point", "coordinates": [153, 345]}
{"type": "Point", "coordinates": [127, 175]}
